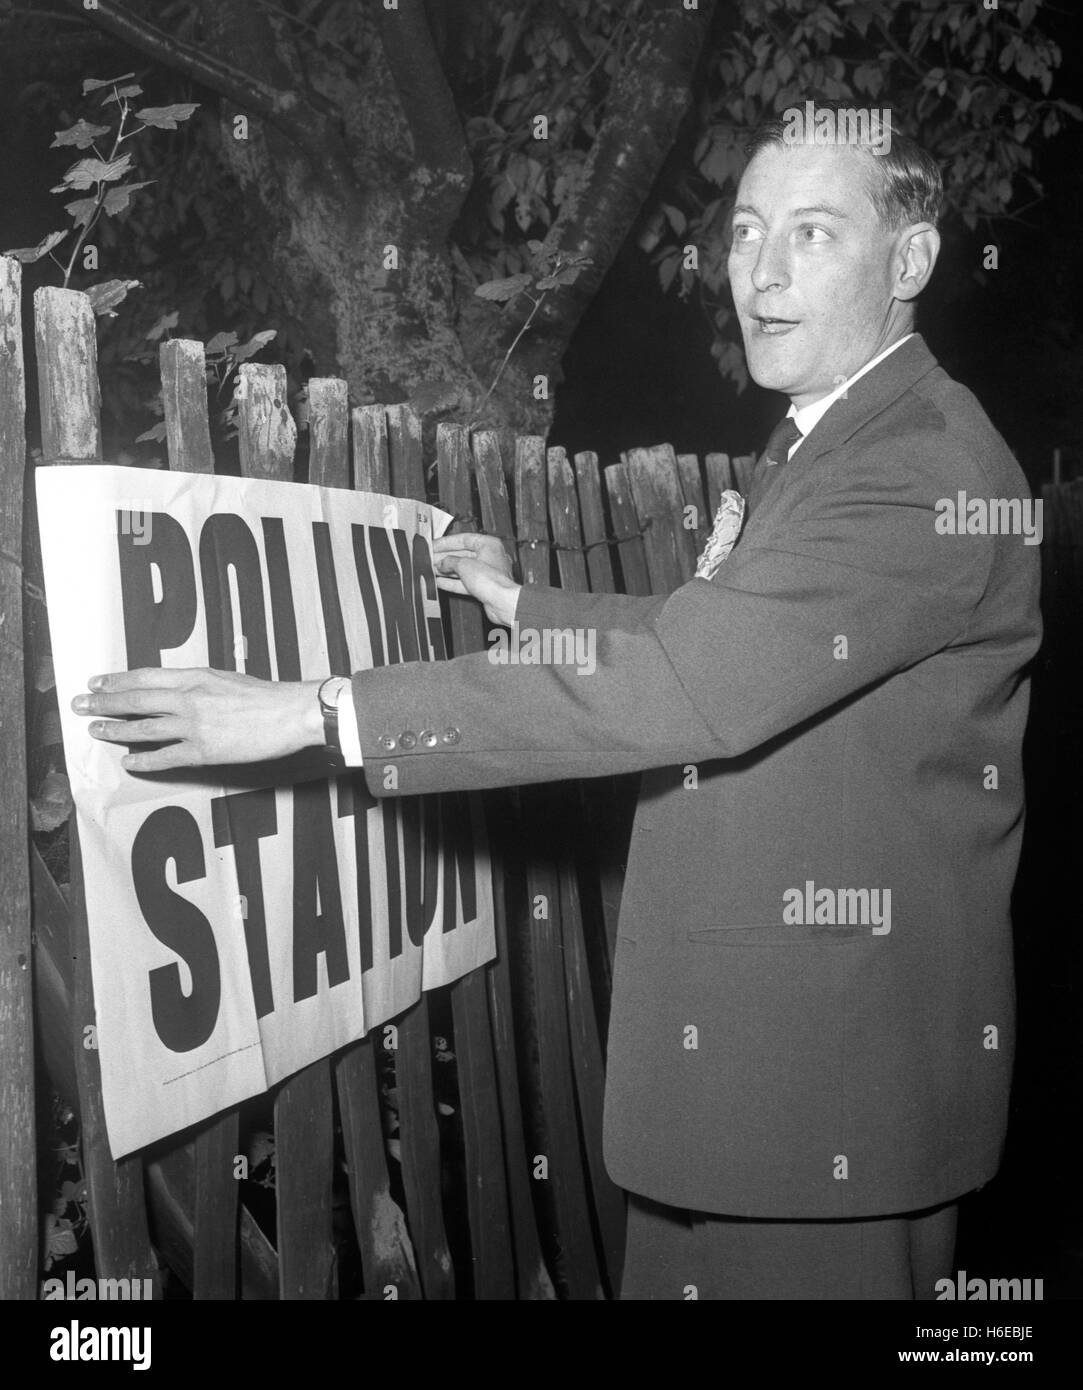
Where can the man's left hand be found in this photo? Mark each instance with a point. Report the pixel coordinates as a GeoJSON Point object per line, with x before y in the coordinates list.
{"type": "Point", "coordinates": [204, 717]}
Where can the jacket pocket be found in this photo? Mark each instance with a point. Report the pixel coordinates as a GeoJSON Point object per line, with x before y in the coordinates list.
{"type": "Point", "coordinates": [780, 934]}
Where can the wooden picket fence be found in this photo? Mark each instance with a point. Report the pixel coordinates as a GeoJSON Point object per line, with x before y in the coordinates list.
{"type": "Point", "coordinates": [528, 1029]}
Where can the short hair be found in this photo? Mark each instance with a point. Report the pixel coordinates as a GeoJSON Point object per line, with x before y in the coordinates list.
{"type": "Point", "coordinates": [907, 186]}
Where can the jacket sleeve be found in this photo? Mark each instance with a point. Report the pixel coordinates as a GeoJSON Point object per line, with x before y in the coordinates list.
{"type": "Point", "coordinates": [858, 585]}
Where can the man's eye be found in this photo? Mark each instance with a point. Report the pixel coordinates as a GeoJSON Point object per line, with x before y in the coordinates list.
{"type": "Point", "coordinates": [743, 231]}
{"type": "Point", "coordinates": [812, 234]}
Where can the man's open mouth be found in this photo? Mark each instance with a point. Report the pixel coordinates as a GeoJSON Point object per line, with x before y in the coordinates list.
{"type": "Point", "coordinates": [771, 325]}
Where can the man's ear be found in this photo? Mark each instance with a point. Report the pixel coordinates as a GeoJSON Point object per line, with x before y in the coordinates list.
{"type": "Point", "coordinates": [918, 250]}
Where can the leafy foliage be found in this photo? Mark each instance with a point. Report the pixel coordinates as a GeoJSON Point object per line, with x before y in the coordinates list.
{"type": "Point", "coordinates": [972, 85]}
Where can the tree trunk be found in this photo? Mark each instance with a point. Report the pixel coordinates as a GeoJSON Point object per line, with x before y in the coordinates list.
{"type": "Point", "coordinates": [356, 170]}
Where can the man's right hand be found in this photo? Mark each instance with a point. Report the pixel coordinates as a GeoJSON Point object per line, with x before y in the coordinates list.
{"type": "Point", "coordinates": [469, 563]}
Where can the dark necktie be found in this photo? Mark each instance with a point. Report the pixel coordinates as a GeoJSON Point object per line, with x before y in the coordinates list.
{"type": "Point", "coordinates": [783, 437]}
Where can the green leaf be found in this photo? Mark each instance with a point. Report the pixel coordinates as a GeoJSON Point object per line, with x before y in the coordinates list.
{"type": "Point", "coordinates": [163, 326]}
{"type": "Point", "coordinates": [254, 345]}
{"type": "Point", "coordinates": [82, 210]}
{"type": "Point", "coordinates": [29, 254]}
{"type": "Point", "coordinates": [122, 94]}
{"type": "Point", "coordinates": [166, 117]}
{"type": "Point", "coordinates": [94, 171]}
{"type": "Point", "coordinates": [94, 84]}
{"type": "Point", "coordinates": [117, 199]}
{"type": "Point", "coordinates": [105, 297]}
{"type": "Point", "coordinates": [505, 289]}
{"type": "Point", "coordinates": [219, 343]}
{"type": "Point", "coordinates": [82, 135]}
{"type": "Point", "coordinates": [155, 435]}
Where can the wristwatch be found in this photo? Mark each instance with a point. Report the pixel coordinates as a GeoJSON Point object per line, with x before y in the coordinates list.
{"type": "Point", "coordinates": [327, 695]}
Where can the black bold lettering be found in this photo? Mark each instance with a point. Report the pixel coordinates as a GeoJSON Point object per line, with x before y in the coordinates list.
{"type": "Point", "coordinates": [317, 900]}
{"type": "Point", "coordinates": [242, 819]}
{"type": "Point", "coordinates": [152, 627]}
{"type": "Point", "coordinates": [457, 853]}
{"type": "Point", "coordinates": [182, 1021]}
{"type": "Point", "coordinates": [396, 585]}
{"type": "Point", "coordinates": [338, 650]}
{"type": "Point", "coordinates": [368, 594]}
{"type": "Point", "coordinates": [287, 653]}
{"type": "Point", "coordinates": [226, 543]}
{"type": "Point", "coordinates": [423, 576]}
{"type": "Point", "coordinates": [355, 799]}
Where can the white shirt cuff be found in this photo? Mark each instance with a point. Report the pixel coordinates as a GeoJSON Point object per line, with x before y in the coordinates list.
{"type": "Point", "coordinates": [349, 738]}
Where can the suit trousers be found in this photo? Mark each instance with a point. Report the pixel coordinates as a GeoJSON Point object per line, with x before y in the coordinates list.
{"type": "Point", "coordinates": [676, 1254]}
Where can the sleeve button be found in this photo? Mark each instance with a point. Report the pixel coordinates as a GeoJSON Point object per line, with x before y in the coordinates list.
{"type": "Point", "coordinates": [451, 734]}
{"type": "Point", "coordinates": [428, 738]}
{"type": "Point", "coordinates": [407, 739]}
{"type": "Point", "coordinates": [387, 741]}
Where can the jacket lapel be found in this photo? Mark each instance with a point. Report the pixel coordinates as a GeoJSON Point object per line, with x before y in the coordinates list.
{"type": "Point", "coordinates": [870, 395]}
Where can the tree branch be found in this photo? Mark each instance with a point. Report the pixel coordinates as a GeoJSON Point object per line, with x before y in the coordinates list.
{"type": "Point", "coordinates": [287, 110]}
{"type": "Point", "coordinates": [428, 105]}
{"type": "Point", "coordinates": [644, 109]}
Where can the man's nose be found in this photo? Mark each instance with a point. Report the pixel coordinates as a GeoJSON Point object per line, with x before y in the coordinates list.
{"type": "Point", "coordinates": [771, 270]}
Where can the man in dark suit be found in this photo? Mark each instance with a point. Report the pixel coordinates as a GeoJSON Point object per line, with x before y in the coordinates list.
{"type": "Point", "coordinates": [812, 1023]}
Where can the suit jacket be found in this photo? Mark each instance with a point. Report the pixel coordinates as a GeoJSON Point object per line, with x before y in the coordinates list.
{"type": "Point", "coordinates": [841, 706]}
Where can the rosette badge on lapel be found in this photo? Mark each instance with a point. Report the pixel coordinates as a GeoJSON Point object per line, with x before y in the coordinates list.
{"type": "Point", "coordinates": [726, 529]}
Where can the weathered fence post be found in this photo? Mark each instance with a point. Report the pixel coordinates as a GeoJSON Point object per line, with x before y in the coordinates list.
{"type": "Point", "coordinates": [543, 942]}
{"type": "Point", "coordinates": [486, 1182]}
{"type": "Point", "coordinates": [215, 1197]}
{"type": "Point", "coordinates": [18, 1157]}
{"type": "Point", "coordinates": [71, 433]}
{"type": "Point", "coordinates": [304, 1130]}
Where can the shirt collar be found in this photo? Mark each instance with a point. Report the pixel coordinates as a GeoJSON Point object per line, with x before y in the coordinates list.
{"type": "Point", "coordinates": [808, 416]}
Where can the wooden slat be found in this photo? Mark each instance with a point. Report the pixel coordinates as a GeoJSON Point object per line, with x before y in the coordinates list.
{"type": "Point", "coordinates": [71, 431]}
{"type": "Point", "coordinates": [328, 432]}
{"type": "Point", "coordinates": [564, 520]}
{"type": "Point", "coordinates": [586, 1050]}
{"type": "Point", "coordinates": [532, 1276]}
{"type": "Point", "coordinates": [214, 1230]}
{"type": "Point", "coordinates": [404, 445]}
{"type": "Point", "coordinates": [304, 1158]}
{"type": "Point", "coordinates": [267, 434]}
{"type": "Point", "coordinates": [54, 981]}
{"type": "Point", "coordinates": [419, 1147]}
{"type": "Point", "coordinates": [493, 489]}
{"type": "Point", "coordinates": [531, 509]}
{"type": "Point", "coordinates": [719, 480]}
{"type": "Point", "coordinates": [69, 398]}
{"type": "Point", "coordinates": [214, 1226]}
{"type": "Point", "coordinates": [656, 491]}
{"type": "Point", "coordinates": [486, 1183]}
{"type": "Point", "coordinates": [184, 396]}
{"type": "Point", "coordinates": [630, 549]}
{"type": "Point", "coordinates": [543, 946]}
{"type": "Point", "coordinates": [600, 797]}
{"type": "Point", "coordinates": [18, 1157]}
{"type": "Point", "coordinates": [592, 513]}
{"type": "Point", "coordinates": [742, 468]}
{"type": "Point", "coordinates": [692, 491]}
{"type": "Point", "coordinates": [371, 472]}
{"type": "Point", "coordinates": [304, 1136]}
{"type": "Point", "coordinates": [589, 1067]}
{"type": "Point", "coordinates": [419, 1135]}
{"type": "Point", "coordinates": [387, 1257]}
{"type": "Point", "coordinates": [171, 1191]}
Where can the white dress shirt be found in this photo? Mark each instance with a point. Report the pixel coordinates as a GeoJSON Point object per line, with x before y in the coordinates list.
{"type": "Point", "coordinates": [808, 416]}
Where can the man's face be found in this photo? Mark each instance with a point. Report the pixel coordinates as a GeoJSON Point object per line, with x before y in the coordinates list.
{"type": "Point", "coordinates": [812, 269]}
